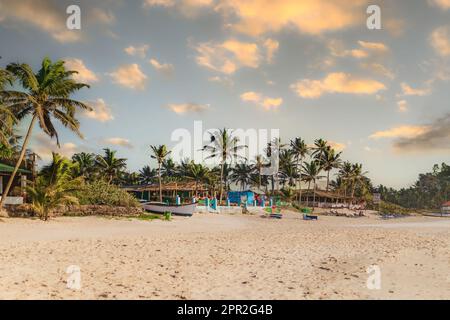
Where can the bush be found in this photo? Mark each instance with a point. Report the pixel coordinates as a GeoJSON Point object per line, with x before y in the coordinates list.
{"type": "Point", "coordinates": [102, 193]}
{"type": "Point", "coordinates": [390, 208]}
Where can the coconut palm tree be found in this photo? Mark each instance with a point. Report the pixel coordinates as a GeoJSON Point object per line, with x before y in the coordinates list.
{"type": "Point", "coordinates": [287, 170]}
{"type": "Point", "coordinates": [300, 150]}
{"type": "Point", "coordinates": [274, 145]}
{"type": "Point", "coordinates": [320, 148]}
{"type": "Point", "coordinates": [159, 154]}
{"type": "Point", "coordinates": [46, 96]}
{"type": "Point", "coordinates": [54, 187]}
{"type": "Point", "coordinates": [241, 174]}
{"type": "Point", "coordinates": [198, 173]}
{"type": "Point", "coordinates": [330, 160]}
{"type": "Point", "coordinates": [257, 166]}
{"type": "Point", "coordinates": [85, 165]}
{"type": "Point", "coordinates": [357, 177]}
{"type": "Point", "coordinates": [147, 175]}
{"type": "Point", "coordinates": [109, 165]}
{"type": "Point", "coordinates": [225, 147]}
{"type": "Point", "coordinates": [312, 174]}
{"type": "Point", "coordinates": [169, 169]}
{"type": "Point", "coordinates": [345, 173]}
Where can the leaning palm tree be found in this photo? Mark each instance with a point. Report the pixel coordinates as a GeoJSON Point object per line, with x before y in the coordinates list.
{"type": "Point", "coordinates": [300, 150]}
{"type": "Point", "coordinates": [330, 160]}
{"type": "Point", "coordinates": [159, 154]}
{"type": "Point", "coordinates": [312, 174]}
{"type": "Point", "coordinates": [46, 96]}
{"type": "Point", "coordinates": [225, 147]}
{"type": "Point", "coordinates": [109, 165]}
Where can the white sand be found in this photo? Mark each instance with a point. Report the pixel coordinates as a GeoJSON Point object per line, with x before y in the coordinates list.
{"type": "Point", "coordinates": [213, 256]}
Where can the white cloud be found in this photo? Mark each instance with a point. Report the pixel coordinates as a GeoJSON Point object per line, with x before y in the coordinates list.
{"type": "Point", "coordinates": [164, 68]}
{"type": "Point", "coordinates": [84, 74]}
{"type": "Point", "coordinates": [336, 83]}
{"type": "Point", "coordinates": [402, 105]}
{"type": "Point", "coordinates": [102, 16]}
{"type": "Point", "coordinates": [409, 91]}
{"type": "Point", "coordinates": [404, 131]}
{"type": "Point", "coordinates": [129, 76]}
{"type": "Point", "coordinates": [229, 56]}
{"type": "Point", "coordinates": [139, 51]}
{"type": "Point", "coordinates": [443, 4]}
{"type": "Point", "coordinates": [100, 111]}
{"type": "Point", "coordinates": [183, 108]}
{"type": "Point", "coordinates": [122, 142]}
{"type": "Point", "coordinates": [44, 146]}
{"type": "Point", "coordinates": [271, 47]}
{"type": "Point", "coordinates": [44, 15]}
{"type": "Point", "coordinates": [261, 100]}
{"type": "Point", "coordinates": [440, 41]}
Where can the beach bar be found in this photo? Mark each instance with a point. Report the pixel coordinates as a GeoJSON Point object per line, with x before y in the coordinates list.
{"type": "Point", "coordinates": [18, 189]}
{"type": "Point", "coordinates": [185, 190]}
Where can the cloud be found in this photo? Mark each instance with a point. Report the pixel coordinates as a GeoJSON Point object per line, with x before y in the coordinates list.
{"type": "Point", "coordinates": [336, 83]}
{"type": "Point", "coordinates": [257, 17]}
{"type": "Point", "coordinates": [187, 7]}
{"type": "Point", "coordinates": [44, 15]}
{"type": "Point", "coordinates": [263, 101]}
{"type": "Point", "coordinates": [129, 76]}
{"type": "Point", "coordinates": [139, 51]}
{"type": "Point", "coordinates": [229, 56]}
{"type": "Point", "coordinates": [100, 111]}
{"type": "Point", "coordinates": [378, 68]}
{"type": "Point", "coordinates": [403, 131]}
{"type": "Point", "coordinates": [271, 47]}
{"type": "Point", "coordinates": [402, 105]}
{"type": "Point", "coordinates": [102, 16]}
{"type": "Point", "coordinates": [222, 80]}
{"type": "Point", "coordinates": [374, 46]}
{"type": "Point", "coordinates": [433, 137]}
{"type": "Point", "coordinates": [44, 146]}
{"type": "Point", "coordinates": [116, 141]}
{"type": "Point", "coordinates": [187, 108]}
{"type": "Point", "coordinates": [338, 146]}
{"type": "Point", "coordinates": [443, 4]}
{"type": "Point", "coordinates": [164, 68]}
{"type": "Point", "coordinates": [409, 91]}
{"type": "Point", "coordinates": [440, 41]}
{"type": "Point", "coordinates": [84, 74]}
{"type": "Point", "coordinates": [364, 50]}
{"type": "Point", "coordinates": [159, 3]}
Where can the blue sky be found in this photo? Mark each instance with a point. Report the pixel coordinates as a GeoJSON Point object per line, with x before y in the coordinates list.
{"type": "Point", "coordinates": [309, 68]}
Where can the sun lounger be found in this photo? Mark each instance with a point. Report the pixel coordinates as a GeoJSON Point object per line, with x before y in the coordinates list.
{"type": "Point", "coordinates": [309, 217]}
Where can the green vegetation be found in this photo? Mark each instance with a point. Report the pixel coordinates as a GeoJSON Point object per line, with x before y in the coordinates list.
{"type": "Point", "coordinates": [390, 208]}
{"type": "Point", "coordinates": [100, 192]}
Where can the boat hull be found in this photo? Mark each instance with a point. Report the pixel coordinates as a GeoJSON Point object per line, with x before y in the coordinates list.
{"type": "Point", "coordinates": [185, 210]}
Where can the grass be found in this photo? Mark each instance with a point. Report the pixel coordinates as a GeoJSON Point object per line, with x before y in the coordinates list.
{"type": "Point", "coordinates": [149, 217]}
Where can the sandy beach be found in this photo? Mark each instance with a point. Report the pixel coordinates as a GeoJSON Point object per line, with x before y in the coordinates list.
{"type": "Point", "coordinates": [211, 256]}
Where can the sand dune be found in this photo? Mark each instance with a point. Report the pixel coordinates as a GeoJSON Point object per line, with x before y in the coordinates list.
{"type": "Point", "coordinates": [213, 256]}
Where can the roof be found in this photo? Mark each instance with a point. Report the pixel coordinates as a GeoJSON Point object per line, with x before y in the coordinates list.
{"type": "Point", "coordinates": [446, 204]}
{"type": "Point", "coordinates": [9, 169]}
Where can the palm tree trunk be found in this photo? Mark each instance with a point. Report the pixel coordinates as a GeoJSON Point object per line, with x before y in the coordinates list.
{"type": "Point", "coordinates": [314, 194]}
{"type": "Point", "coordinates": [328, 179]}
{"type": "Point", "coordinates": [221, 181]}
{"type": "Point", "coordinates": [307, 198]}
{"type": "Point", "coordinates": [19, 161]}
{"type": "Point", "coordinates": [160, 183]}
{"type": "Point", "coordinates": [300, 183]}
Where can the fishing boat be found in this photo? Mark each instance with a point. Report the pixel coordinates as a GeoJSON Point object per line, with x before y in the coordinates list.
{"type": "Point", "coordinates": [186, 210]}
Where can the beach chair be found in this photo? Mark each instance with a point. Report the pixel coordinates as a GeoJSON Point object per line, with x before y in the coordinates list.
{"type": "Point", "coordinates": [309, 217]}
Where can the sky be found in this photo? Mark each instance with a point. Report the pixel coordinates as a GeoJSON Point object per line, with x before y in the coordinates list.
{"type": "Point", "coordinates": [311, 69]}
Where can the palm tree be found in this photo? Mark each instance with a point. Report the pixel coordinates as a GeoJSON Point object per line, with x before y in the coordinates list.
{"type": "Point", "coordinates": [357, 176]}
{"type": "Point", "coordinates": [160, 153]}
{"type": "Point", "coordinates": [288, 170]}
{"type": "Point", "coordinates": [109, 165]}
{"type": "Point", "coordinates": [330, 160]}
{"type": "Point", "coordinates": [257, 166]}
{"type": "Point", "coordinates": [54, 187]}
{"type": "Point", "coordinates": [198, 173]}
{"type": "Point", "coordinates": [345, 173]}
{"type": "Point", "coordinates": [168, 169]}
{"type": "Point", "coordinates": [320, 148]}
{"type": "Point", "coordinates": [224, 147]}
{"type": "Point", "coordinates": [147, 175]}
{"type": "Point", "coordinates": [311, 174]}
{"type": "Point", "coordinates": [275, 144]}
{"type": "Point", "coordinates": [46, 96]}
{"type": "Point", "coordinates": [85, 165]}
{"type": "Point", "coordinates": [240, 174]}
{"type": "Point", "coordinates": [300, 150]}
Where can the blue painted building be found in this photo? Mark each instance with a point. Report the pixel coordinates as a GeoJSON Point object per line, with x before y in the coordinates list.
{"type": "Point", "coordinates": [236, 196]}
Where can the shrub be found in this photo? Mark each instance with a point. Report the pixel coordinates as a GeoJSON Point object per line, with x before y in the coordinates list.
{"type": "Point", "coordinates": [102, 193]}
{"type": "Point", "coordinates": [390, 208]}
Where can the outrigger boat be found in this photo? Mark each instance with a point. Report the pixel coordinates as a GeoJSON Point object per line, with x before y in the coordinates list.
{"type": "Point", "coordinates": [186, 210]}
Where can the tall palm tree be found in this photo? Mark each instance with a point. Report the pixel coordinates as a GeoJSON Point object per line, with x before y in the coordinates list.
{"type": "Point", "coordinates": [300, 150]}
{"type": "Point", "coordinates": [312, 174]}
{"type": "Point", "coordinates": [288, 170]}
{"type": "Point", "coordinates": [109, 165]}
{"type": "Point", "coordinates": [345, 173]}
{"type": "Point", "coordinates": [147, 175]}
{"type": "Point", "coordinates": [276, 145]}
{"type": "Point", "coordinates": [159, 154]}
{"type": "Point", "coordinates": [330, 160]}
{"type": "Point", "coordinates": [357, 177]}
{"type": "Point", "coordinates": [257, 166]}
{"type": "Point", "coordinates": [225, 147]}
{"type": "Point", "coordinates": [168, 169]}
{"type": "Point", "coordinates": [46, 96]}
{"type": "Point", "coordinates": [7, 118]}
{"type": "Point", "coordinates": [241, 174]}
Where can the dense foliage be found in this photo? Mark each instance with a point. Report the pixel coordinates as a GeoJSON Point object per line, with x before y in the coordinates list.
{"type": "Point", "coordinates": [100, 192]}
